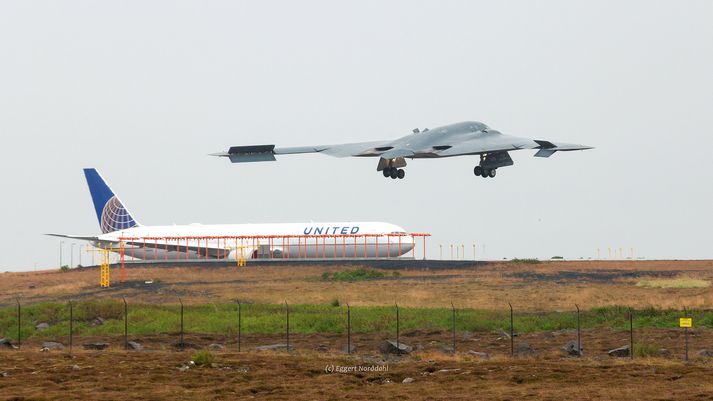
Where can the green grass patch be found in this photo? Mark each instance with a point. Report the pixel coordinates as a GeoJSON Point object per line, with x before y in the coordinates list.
{"type": "Point", "coordinates": [526, 261]}
{"type": "Point", "coordinates": [642, 350]}
{"type": "Point", "coordinates": [361, 274]}
{"type": "Point", "coordinates": [148, 319]}
{"type": "Point", "coordinates": [202, 358]}
{"type": "Point", "coordinates": [674, 283]}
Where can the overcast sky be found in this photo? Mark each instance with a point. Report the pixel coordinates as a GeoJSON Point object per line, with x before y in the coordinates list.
{"type": "Point", "coordinates": [144, 90]}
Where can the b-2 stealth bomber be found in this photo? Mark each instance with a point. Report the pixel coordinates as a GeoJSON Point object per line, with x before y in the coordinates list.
{"type": "Point", "coordinates": [460, 139]}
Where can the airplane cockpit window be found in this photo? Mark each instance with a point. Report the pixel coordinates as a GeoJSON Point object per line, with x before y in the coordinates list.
{"type": "Point", "coordinates": [475, 126]}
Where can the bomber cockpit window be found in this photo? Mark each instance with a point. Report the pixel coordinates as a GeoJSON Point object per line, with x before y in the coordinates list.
{"type": "Point", "coordinates": [476, 126]}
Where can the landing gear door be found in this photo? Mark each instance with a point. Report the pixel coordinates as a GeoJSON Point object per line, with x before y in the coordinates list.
{"type": "Point", "coordinates": [397, 162]}
{"type": "Point", "coordinates": [495, 160]}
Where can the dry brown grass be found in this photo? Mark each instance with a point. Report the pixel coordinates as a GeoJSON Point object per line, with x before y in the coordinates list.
{"type": "Point", "coordinates": [542, 287]}
{"type": "Point", "coordinates": [115, 375]}
{"type": "Point", "coordinates": [681, 282]}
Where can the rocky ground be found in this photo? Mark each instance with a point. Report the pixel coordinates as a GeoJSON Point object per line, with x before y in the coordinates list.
{"type": "Point", "coordinates": [316, 367]}
{"type": "Point", "coordinates": [161, 375]}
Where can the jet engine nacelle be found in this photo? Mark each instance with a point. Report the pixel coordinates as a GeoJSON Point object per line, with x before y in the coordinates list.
{"type": "Point", "coordinates": [261, 252]}
{"type": "Point", "coordinates": [242, 253]}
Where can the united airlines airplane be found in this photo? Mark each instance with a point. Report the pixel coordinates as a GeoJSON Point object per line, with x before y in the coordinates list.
{"type": "Point", "coordinates": [121, 231]}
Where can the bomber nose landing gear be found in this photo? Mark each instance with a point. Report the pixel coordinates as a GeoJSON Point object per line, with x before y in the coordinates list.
{"type": "Point", "coordinates": [484, 172]}
{"type": "Point", "coordinates": [394, 173]}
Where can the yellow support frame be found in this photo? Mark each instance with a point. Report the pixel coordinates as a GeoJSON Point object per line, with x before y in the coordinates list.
{"type": "Point", "coordinates": [104, 278]}
{"type": "Point", "coordinates": [104, 272]}
{"type": "Point", "coordinates": [240, 256]}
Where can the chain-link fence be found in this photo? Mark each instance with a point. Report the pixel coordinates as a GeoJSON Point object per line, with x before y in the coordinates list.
{"type": "Point", "coordinates": [243, 326]}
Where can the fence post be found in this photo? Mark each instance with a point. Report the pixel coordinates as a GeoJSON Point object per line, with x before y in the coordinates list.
{"type": "Point", "coordinates": [512, 333]}
{"type": "Point", "coordinates": [349, 329]}
{"type": "Point", "coordinates": [19, 324]}
{"type": "Point", "coordinates": [631, 333]}
{"type": "Point", "coordinates": [287, 309]}
{"type": "Point", "coordinates": [453, 308]}
{"type": "Point", "coordinates": [239, 324]}
{"type": "Point", "coordinates": [579, 333]}
{"type": "Point", "coordinates": [685, 334]}
{"type": "Point", "coordinates": [398, 346]}
{"type": "Point", "coordinates": [181, 343]}
{"type": "Point", "coordinates": [126, 325]}
{"type": "Point", "coordinates": [71, 319]}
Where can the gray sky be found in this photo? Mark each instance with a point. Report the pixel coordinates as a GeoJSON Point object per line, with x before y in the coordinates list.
{"type": "Point", "coordinates": [144, 90]}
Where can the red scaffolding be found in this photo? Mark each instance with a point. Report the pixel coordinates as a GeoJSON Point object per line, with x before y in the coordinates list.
{"type": "Point", "coordinates": [327, 246]}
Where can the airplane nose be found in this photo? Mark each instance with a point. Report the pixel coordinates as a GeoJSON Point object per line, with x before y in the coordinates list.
{"type": "Point", "coordinates": [407, 245]}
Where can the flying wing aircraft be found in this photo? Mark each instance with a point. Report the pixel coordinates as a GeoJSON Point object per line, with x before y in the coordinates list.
{"type": "Point", "coordinates": [460, 139]}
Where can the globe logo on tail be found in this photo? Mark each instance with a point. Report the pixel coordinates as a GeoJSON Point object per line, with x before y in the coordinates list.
{"type": "Point", "coordinates": [115, 217]}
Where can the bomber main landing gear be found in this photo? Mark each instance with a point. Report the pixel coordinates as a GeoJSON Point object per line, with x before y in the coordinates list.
{"type": "Point", "coordinates": [490, 162]}
{"type": "Point", "coordinates": [394, 173]}
{"type": "Point", "coordinates": [484, 172]}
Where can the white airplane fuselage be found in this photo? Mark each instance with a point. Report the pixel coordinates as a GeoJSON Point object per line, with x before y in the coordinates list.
{"type": "Point", "coordinates": [278, 241]}
{"type": "Point", "coordinates": [123, 234]}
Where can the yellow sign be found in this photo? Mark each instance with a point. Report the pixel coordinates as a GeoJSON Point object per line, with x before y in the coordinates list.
{"type": "Point", "coordinates": [685, 322]}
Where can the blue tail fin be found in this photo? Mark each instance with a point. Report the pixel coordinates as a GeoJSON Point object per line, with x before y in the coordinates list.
{"type": "Point", "coordinates": [111, 213]}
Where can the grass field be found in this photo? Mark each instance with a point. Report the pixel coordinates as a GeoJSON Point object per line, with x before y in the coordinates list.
{"type": "Point", "coordinates": [313, 319]}
{"type": "Point", "coordinates": [540, 287]}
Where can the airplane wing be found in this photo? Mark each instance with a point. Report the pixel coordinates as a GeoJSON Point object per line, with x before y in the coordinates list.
{"type": "Point", "coordinates": [548, 148]}
{"type": "Point", "coordinates": [213, 250]}
{"type": "Point", "coordinates": [261, 153]}
{"type": "Point", "coordinates": [79, 237]}
{"type": "Point", "coordinates": [101, 243]}
{"type": "Point", "coordinates": [504, 143]}
{"type": "Point", "coordinates": [161, 245]}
